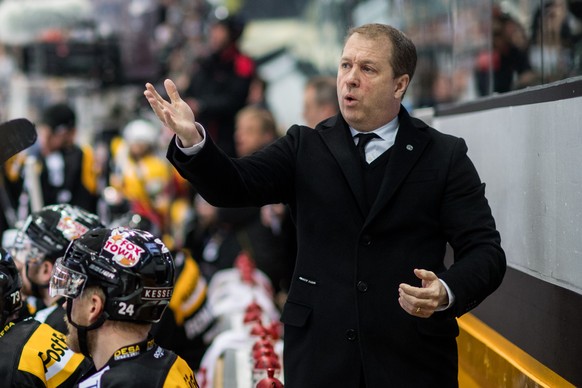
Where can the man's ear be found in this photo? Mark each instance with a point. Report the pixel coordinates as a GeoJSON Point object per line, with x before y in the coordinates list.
{"type": "Point", "coordinates": [45, 272]}
{"type": "Point", "coordinates": [95, 307]}
{"type": "Point", "coordinates": [402, 83]}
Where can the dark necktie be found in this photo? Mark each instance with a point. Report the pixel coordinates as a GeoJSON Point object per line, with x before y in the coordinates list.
{"type": "Point", "coordinates": [363, 139]}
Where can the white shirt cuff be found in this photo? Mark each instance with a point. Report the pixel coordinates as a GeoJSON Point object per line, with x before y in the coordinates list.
{"type": "Point", "coordinates": [193, 150]}
{"type": "Point", "coordinates": [451, 297]}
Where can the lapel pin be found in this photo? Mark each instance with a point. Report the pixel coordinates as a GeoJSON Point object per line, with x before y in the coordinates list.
{"type": "Point", "coordinates": [409, 147]}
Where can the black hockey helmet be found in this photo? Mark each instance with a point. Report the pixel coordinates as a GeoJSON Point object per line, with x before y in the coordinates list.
{"type": "Point", "coordinates": [47, 232]}
{"type": "Point", "coordinates": [134, 269]}
{"type": "Point", "coordinates": [10, 285]}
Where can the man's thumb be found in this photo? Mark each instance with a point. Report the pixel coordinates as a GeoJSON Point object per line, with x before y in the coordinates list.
{"type": "Point", "coordinates": [425, 275]}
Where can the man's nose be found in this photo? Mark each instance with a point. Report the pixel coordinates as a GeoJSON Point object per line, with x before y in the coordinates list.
{"type": "Point", "coordinates": [353, 77]}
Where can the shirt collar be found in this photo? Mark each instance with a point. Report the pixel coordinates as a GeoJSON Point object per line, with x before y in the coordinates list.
{"type": "Point", "coordinates": [386, 132]}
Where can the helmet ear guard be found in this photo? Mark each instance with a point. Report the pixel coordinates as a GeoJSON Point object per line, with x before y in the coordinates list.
{"type": "Point", "coordinates": [134, 269]}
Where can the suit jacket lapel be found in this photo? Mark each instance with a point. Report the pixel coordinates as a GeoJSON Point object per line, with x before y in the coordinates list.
{"type": "Point", "coordinates": [335, 134]}
{"type": "Point", "coordinates": [409, 145]}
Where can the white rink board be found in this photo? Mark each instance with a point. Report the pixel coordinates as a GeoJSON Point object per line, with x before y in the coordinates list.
{"type": "Point", "coordinates": [530, 157]}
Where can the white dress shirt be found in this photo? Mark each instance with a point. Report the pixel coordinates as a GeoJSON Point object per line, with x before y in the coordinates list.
{"type": "Point", "coordinates": [385, 140]}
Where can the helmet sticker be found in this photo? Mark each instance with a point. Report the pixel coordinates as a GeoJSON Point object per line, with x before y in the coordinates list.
{"type": "Point", "coordinates": [153, 248]}
{"type": "Point", "coordinates": [70, 228]}
{"type": "Point", "coordinates": [158, 293]}
{"type": "Point", "coordinates": [164, 248]}
{"type": "Point", "coordinates": [102, 271]}
{"type": "Point", "coordinates": [125, 253]}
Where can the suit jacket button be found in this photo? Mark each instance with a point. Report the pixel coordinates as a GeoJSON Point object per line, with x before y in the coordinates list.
{"type": "Point", "coordinates": [351, 335]}
{"type": "Point", "coordinates": [366, 240]}
{"type": "Point", "coordinates": [362, 286]}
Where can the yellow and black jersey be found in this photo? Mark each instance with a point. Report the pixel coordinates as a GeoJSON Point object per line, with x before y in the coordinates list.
{"type": "Point", "coordinates": [33, 354]}
{"type": "Point", "coordinates": [29, 308]}
{"type": "Point", "coordinates": [53, 315]}
{"type": "Point", "coordinates": [187, 324]}
{"type": "Point", "coordinates": [144, 364]}
{"type": "Point", "coordinates": [143, 182]}
{"type": "Point", "coordinates": [65, 176]}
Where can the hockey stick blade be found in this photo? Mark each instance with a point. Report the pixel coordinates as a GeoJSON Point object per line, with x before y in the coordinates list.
{"type": "Point", "coordinates": [15, 136]}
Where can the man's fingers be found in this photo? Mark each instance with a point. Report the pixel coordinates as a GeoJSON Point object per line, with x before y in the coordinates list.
{"type": "Point", "coordinates": [417, 306]}
{"type": "Point", "coordinates": [427, 277]}
{"type": "Point", "coordinates": [156, 101]}
{"type": "Point", "coordinates": [428, 290]}
{"type": "Point", "coordinates": [405, 304]}
{"type": "Point", "coordinates": [420, 301]}
{"type": "Point", "coordinates": [414, 296]}
{"type": "Point", "coordinates": [172, 91]}
{"type": "Point", "coordinates": [153, 94]}
{"type": "Point", "coordinates": [417, 292]}
{"type": "Point", "coordinates": [414, 307]}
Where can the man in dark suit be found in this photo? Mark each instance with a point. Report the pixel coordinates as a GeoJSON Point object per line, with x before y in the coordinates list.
{"type": "Point", "coordinates": [371, 302]}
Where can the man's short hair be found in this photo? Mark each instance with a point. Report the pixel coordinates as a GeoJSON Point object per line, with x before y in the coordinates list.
{"type": "Point", "coordinates": [403, 56]}
{"type": "Point", "coordinates": [59, 116]}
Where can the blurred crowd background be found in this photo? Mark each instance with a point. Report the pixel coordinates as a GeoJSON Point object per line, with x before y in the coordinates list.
{"type": "Point", "coordinates": [98, 54]}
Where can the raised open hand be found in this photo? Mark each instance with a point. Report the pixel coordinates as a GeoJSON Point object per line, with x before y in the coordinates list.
{"type": "Point", "coordinates": [175, 114]}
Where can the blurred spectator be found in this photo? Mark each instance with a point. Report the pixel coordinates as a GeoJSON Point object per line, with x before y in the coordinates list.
{"type": "Point", "coordinates": [8, 217]}
{"type": "Point", "coordinates": [434, 86]}
{"type": "Point", "coordinates": [421, 89]}
{"type": "Point", "coordinates": [257, 93]}
{"type": "Point", "coordinates": [255, 127]}
{"type": "Point", "coordinates": [139, 174]}
{"type": "Point", "coordinates": [201, 236]}
{"type": "Point", "coordinates": [220, 84]}
{"type": "Point", "coordinates": [266, 234]}
{"type": "Point", "coordinates": [319, 100]}
{"type": "Point", "coordinates": [7, 71]}
{"type": "Point", "coordinates": [508, 62]}
{"type": "Point", "coordinates": [553, 41]}
{"type": "Point", "coordinates": [57, 170]}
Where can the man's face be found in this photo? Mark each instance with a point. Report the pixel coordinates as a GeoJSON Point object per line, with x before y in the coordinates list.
{"type": "Point", "coordinates": [32, 266]}
{"type": "Point", "coordinates": [50, 140]}
{"type": "Point", "coordinates": [369, 94]}
{"type": "Point", "coordinates": [138, 150]}
{"type": "Point", "coordinates": [249, 136]}
{"type": "Point", "coordinates": [38, 271]}
{"type": "Point", "coordinates": [218, 38]}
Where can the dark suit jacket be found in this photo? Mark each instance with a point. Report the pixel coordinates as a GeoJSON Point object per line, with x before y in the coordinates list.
{"type": "Point", "coordinates": [342, 314]}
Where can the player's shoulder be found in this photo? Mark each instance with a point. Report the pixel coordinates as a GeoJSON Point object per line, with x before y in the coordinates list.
{"type": "Point", "coordinates": [156, 368]}
{"type": "Point", "coordinates": [180, 375]}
